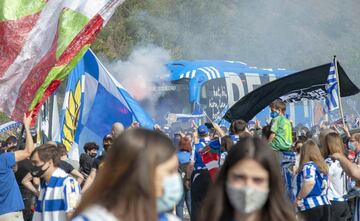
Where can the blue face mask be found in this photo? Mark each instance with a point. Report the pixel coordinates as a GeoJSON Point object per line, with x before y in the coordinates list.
{"type": "Point", "coordinates": [274, 114]}
{"type": "Point", "coordinates": [351, 146]}
{"type": "Point", "coordinates": [173, 191]}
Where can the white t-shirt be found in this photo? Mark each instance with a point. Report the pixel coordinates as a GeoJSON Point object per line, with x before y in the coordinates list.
{"type": "Point", "coordinates": [99, 213]}
{"type": "Point", "coordinates": [95, 213]}
{"type": "Point", "coordinates": [337, 181]}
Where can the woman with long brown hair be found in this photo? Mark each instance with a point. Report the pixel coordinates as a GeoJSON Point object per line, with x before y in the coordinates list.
{"type": "Point", "coordinates": [312, 184]}
{"type": "Point", "coordinates": [184, 154]}
{"type": "Point", "coordinates": [248, 187]}
{"type": "Point", "coordinates": [138, 182]}
{"type": "Point", "coordinates": [339, 208]}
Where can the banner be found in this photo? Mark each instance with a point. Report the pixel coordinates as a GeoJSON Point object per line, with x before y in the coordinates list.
{"type": "Point", "coordinates": [9, 125]}
{"type": "Point", "coordinates": [94, 100]}
{"type": "Point", "coordinates": [40, 43]}
{"type": "Point", "coordinates": [300, 86]}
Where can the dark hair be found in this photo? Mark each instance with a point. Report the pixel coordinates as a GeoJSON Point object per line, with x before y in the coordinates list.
{"type": "Point", "coordinates": [302, 138]}
{"type": "Point", "coordinates": [185, 144]}
{"type": "Point", "coordinates": [227, 142]}
{"type": "Point", "coordinates": [125, 185]}
{"type": "Point", "coordinates": [239, 126]}
{"type": "Point", "coordinates": [299, 141]}
{"type": "Point", "coordinates": [296, 143]}
{"type": "Point", "coordinates": [11, 140]}
{"type": "Point", "coordinates": [47, 152]}
{"type": "Point", "coordinates": [266, 131]}
{"type": "Point", "coordinates": [279, 105]}
{"type": "Point", "coordinates": [107, 137]}
{"type": "Point", "coordinates": [91, 146]}
{"type": "Point", "coordinates": [2, 143]}
{"type": "Point", "coordinates": [217, 206]}
{"type": "Point", "coordinates": [61, 149]}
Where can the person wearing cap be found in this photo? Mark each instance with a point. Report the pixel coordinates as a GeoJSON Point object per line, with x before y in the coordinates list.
{"type": "Point", "coordinates": [200, 177]}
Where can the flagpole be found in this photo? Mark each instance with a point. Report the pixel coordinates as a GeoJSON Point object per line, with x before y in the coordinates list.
{"type": "Point", "coordinates": [338, 87]}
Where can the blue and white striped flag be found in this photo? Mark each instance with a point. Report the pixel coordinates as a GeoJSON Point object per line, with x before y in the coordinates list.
{"type": "Point", "coordinates": [94, 100]}
{"type": "Point", "coordinates": [332, 98]}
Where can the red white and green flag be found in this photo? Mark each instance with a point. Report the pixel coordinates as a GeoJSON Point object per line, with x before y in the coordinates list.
{"type": "Point", "coordinates": [40, 43]}
{"type": "Point", "coordinates": [210, 158]}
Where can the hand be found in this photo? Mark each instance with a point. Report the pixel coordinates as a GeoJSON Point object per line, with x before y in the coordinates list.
{"type": "Point", "coordinates": [257, 124]}
{"type": "Point", "coordinates": [135, 124]}
{"type": "Point", "coordinates": [27, 119]}
{"type": "Point", "coordinates": [296, 203]}
{"type": "Point", "coordinates": [157, 127]}
{"type": "Point", "coordinates": [322, 125]}
{"type": "Point", "coordinates": [346, 130]}
{"type": "Point", "coordinates": [336, 156]}
{"type": "Point", "coordinates": [10, 133]}
{"type": "Point", "coordinates": [188, 184]}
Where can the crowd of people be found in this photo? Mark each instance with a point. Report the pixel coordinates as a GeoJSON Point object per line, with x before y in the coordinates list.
{"type": "Point", "coordinates": [240, 174]}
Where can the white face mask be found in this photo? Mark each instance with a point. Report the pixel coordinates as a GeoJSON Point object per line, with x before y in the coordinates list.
{"type": "Point", "coordinates": [173, 191]}
{"type": "Point", "coordinates": [246, 200]}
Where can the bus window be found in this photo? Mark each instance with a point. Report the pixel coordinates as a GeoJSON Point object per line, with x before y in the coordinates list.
{"type": "Point", "coordinates": [214, 97]}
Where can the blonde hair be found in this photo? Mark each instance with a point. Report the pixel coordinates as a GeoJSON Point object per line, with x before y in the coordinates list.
{"type": "Point", "coordinates": [311, 152]}
{"type": "Point", "coordinates": [333, 143]}
{"type": "Point", "coordinates": [322, 145]}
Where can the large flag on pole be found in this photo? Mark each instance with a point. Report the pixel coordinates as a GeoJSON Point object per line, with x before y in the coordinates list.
{"type": "Point", "coordinates": [332, 98]}
{"type": "Point", "coordinates": [41, 41]}
{"type": "Point", "coordinates": [94, 100]}
{"type": "Point", "coordinates": [304, 85]}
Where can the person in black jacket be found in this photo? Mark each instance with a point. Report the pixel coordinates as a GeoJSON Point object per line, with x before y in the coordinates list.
{"type": "Point", "coordinates": [87, 158]}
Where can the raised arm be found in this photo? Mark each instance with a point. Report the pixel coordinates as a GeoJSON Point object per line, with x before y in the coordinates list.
{"type": "Point", "coordinates": [218, 129]}
{"type": "Point", "coordinates": [29, 185]}
{"type": "Point", "coordinates": [29, 145]}
{"type": "Point", "coordinates": [350, 168]}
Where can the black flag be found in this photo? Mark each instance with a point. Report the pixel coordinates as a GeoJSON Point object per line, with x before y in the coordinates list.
{"type": "Point", "coordinates": [303, 85]}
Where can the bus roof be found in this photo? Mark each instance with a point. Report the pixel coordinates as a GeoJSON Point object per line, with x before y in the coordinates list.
{"type": "Point", "coordinates": [211, 69]}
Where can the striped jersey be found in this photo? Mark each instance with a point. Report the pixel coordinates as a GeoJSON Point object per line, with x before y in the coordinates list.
{"type": "Point", "coordinates": [57, 197]}
{"type": "Point", "coordinates": [235, 138]}
{"type": "Point", "coordinates": [318, 195]}
{"type": "Point", "coordinates": [99, 213]}
{"type": "Point", "coordinates": [287, 163]}
{"type": "Point", "coordinates": [337, 181]}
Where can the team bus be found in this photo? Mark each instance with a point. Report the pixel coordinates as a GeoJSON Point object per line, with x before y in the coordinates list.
{"type": "Point", "coordinates": [212, 86]}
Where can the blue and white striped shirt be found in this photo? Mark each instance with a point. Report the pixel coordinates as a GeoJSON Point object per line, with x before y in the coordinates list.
{"type": "Point", "coordinates": [318, 195]}
{"type": "Point", "coordinates": [235, 138]}
{"type": "Point", "coordinates": [57, 198]}
{"type": "Point", "coordinates": [287, 162]}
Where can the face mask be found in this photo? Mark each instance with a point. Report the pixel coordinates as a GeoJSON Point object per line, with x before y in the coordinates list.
{"type": "Point", "coordinates": [247, 199]}
{"type": "Point", "coordinates": [37, 171]}
{"type": "Point", "coordinates": [173, 191]}
{"type": "Point", "coordinates": [92, 155]}
{"type": "Point", "coordinates": [351, 146]}
{"type": "Point", "coordinates": [274, 114]}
